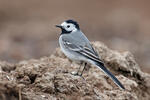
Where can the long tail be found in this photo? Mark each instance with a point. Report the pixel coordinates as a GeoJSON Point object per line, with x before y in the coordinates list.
{"type": "Point", "coordinates": [104, 69]}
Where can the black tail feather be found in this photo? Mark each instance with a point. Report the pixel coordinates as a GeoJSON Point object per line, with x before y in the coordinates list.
{"type": "Point", "coordinates": [104, 69]}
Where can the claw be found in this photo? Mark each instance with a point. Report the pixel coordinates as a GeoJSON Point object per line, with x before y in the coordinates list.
{"type": "Point", "coordinates": [75, 73]}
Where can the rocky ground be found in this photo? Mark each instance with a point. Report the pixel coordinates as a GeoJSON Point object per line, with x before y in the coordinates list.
{"type": "Point", "coordinates": [50, 78]}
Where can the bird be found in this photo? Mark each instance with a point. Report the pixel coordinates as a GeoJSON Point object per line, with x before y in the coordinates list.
{"type": "Point", "coordinates": [76, 46]}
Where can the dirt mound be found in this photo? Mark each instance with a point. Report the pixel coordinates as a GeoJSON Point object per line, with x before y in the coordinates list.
{"type": "Point", "coordinates": [50, 78]}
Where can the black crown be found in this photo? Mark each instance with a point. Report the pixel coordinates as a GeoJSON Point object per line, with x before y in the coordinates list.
{"type": "Point", "coordinates": [73, 22]}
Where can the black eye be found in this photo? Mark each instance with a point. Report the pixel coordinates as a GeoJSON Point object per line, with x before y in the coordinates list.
{"type": "Point", "coordinates": [68, 26]}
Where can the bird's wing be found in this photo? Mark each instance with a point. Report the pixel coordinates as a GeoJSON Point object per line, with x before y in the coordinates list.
{"type": "Point", "coordinates": [88, 53]}
{"type": "Point", "coordinates": [84, 50]}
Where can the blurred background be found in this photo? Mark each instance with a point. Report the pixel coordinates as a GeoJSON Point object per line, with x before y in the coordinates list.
{"type": "Point", "coordinates": [27, 27]}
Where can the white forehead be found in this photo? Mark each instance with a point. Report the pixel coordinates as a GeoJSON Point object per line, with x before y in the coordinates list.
{"type": "Point", "coordinates": [64, 24]}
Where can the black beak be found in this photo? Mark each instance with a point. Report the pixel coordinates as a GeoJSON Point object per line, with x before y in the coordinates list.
{"type": "Point", "coordinates": [59, 26]}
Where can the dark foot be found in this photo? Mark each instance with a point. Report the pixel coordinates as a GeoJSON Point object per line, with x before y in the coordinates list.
{"type": "Point", "coordinates": [77, 74]}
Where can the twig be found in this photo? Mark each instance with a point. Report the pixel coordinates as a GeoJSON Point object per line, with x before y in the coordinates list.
{"type": "Point", "coordinates": [20, 98]}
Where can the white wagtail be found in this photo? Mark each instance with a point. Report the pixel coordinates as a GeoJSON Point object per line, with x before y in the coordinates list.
{"type": "Point", "coordinates": [75, 45]}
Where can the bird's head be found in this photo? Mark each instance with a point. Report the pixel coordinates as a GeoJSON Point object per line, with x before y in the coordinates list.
{"type": "Point", "coordinates": [69, 26]}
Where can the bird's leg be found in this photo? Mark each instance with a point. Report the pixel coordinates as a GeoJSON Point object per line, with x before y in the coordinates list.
{"type": "Point", "coordinates": [79, 68]}
{"type": "Point", "coordinates": [83, 69]}
{"type": "Point", "coordinates": [77, 73]}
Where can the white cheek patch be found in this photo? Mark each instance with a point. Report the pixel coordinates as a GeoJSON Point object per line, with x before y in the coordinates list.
{"type": "Point", "coordinates": [71, 28]}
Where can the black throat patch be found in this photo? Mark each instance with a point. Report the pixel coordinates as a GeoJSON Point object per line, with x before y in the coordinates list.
{"type": "Point", "coordinates": [63, 31]}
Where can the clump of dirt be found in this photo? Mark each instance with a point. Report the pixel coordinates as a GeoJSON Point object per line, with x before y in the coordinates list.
{"type": "Point", "coordinates": [50, 78]}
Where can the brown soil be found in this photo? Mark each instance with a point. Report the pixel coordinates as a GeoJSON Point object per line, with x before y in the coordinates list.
{"type": "Point", "coordinates": [50, 78]}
